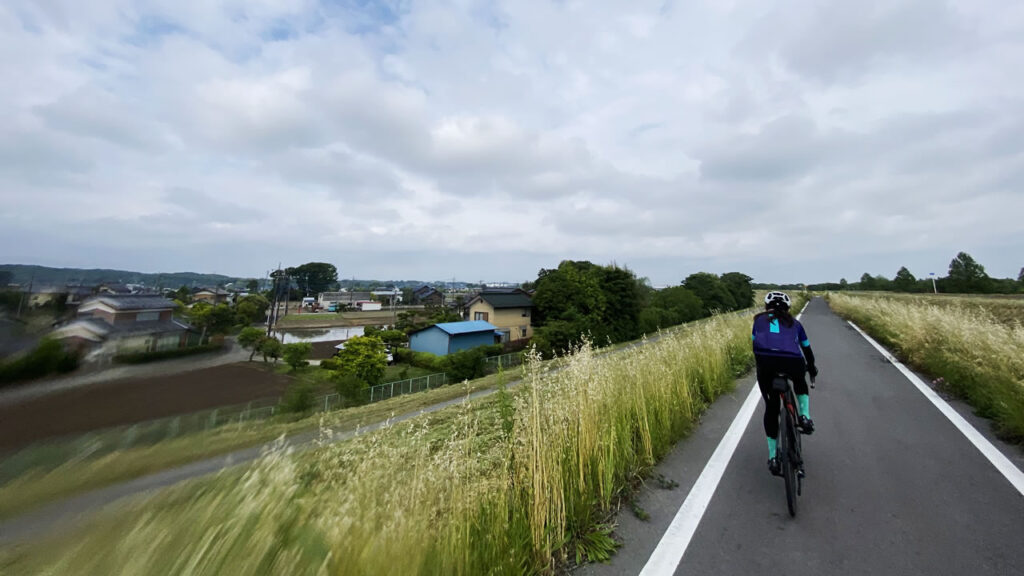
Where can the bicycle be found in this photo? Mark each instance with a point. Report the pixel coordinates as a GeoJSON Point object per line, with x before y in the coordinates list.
{"type": "Point", "coordinates": [790, 458]}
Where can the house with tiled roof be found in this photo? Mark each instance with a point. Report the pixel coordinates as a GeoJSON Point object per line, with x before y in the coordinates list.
{"type": "Point", "coordinates": [125, 324]}
{"type": "Point", "coordinates": [510, 310]}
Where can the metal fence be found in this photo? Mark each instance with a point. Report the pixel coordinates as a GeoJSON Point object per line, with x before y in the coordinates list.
{"type": "Point", "coordinates": [493, 363]}
{"type": "Point", "coordinates": [421, 384]}
{"type": "Point", "coordinates": [49, 454]}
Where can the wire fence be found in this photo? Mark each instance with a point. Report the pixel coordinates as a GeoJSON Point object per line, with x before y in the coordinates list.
{"type": "Point", "coordinates": [494, 363]}
{"type": "Point", "coordinates": [49, 454]}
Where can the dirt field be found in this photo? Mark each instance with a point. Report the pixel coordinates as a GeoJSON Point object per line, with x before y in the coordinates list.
{"type": "Point", "coordinates": [136, 400]}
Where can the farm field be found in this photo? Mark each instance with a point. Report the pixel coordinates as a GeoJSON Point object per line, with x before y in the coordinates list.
{"type": "Point", "coordinates": [138, 399]}
{"type": "Point", "coordinates": [523, 480]}
{"type": "Point", "coordinates": [975, 345]}
{"type": "Point", "coordinates": [329, 319]}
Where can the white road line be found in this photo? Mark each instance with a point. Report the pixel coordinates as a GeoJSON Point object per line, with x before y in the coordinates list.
{"type": "Point", "coordinates": [1001, 462]}
{"type": "Point", "coordinates": [669, 552]}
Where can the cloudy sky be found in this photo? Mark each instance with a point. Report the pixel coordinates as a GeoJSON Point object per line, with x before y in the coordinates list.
{"type": "Point", "coordinates": [794, 141]}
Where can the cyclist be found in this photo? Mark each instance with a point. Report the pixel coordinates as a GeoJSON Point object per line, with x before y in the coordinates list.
{"type": "Point", "coordinates": [781, 345]}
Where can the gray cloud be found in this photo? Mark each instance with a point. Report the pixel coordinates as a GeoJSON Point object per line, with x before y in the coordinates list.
{"type": "Point", "coordinates": [428, 138]}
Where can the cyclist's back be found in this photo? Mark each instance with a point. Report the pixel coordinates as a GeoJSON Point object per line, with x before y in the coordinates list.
{"type": "Point", "coordinates": [781, 347]}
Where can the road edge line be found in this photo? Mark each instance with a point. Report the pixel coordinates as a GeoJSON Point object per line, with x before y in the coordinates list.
{"type": "Point", "coordinates": [676, 539]}
{"type": "Point", "coordinates": [987, 449]}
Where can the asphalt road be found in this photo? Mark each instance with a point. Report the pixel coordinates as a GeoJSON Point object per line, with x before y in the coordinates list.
{"type": "Point", "coordinates": [893, 486]}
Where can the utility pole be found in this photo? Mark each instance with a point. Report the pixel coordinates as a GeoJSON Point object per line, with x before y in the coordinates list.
{"type": "Point", "coordinates": [31, 282]}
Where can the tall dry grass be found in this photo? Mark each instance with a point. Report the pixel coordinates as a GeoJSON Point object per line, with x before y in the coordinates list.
{"type": "Point", "coordinates": [520, 483]}
{"type": "Point", "coordinates": [979, 355]}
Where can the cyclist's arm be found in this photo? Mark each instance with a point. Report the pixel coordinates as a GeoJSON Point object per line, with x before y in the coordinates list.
{"type": "Point", "coordinates": [805, 346]}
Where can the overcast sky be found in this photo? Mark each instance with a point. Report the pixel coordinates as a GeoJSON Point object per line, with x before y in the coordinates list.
{"type": "Point", "coordinates": [793, 141]}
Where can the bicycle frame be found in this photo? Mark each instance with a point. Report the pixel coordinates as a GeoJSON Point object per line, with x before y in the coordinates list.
{"type": "Point", "coordinates": [788, 451]}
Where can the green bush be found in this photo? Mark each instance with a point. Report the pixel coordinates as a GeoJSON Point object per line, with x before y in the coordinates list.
{"type": "Point", "coordinates": [351, 388]}
{"type": "Point", "coordinates": [428, 361]}
{"type": "Point", "coordinates": [298, 398]}
{"type": "Point", "coordinates": [143, 357]}
{"type": "Point", "coordinates": [402, 355]}
{"type": "Point", "coordinates": [330, 364]}
{"type": "Point", "coordinates": [48, 358]}
{"type": "Point", "coordinates": [465, 364]}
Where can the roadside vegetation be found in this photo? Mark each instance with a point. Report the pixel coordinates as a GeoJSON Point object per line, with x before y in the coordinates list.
{"type": "Point", "coordinates": [975, 345]}
{"type": "Point", "coordinates": [524, 481]}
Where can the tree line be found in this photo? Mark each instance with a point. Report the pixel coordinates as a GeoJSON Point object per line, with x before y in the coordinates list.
{"type": "Point", "coordinates": [611, 304]}
{"type": "Point", "coordinates": [964, 276]}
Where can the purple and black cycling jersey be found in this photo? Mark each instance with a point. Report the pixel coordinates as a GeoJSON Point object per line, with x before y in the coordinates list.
{"type": "Point", "coordinates": [774, 338]}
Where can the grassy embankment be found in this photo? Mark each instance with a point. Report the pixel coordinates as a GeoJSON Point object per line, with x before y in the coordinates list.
{"type": "Point", "coordinates": [976, 345]}
{"type": "Point", "coordinates": [519, 482]}
{"type": "Point", "coordinates": [87, 473]}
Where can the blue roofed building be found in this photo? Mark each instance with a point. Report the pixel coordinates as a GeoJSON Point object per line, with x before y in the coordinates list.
{"type": "Point", "coordinates": [448, 337]}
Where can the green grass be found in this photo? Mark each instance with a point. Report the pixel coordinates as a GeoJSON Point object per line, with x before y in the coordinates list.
{"type": "Point", "coordinates": [404, 371]}
{"type": "Point", "coordinates": [524, 481]}
{"type": "Point", "coordinates": [970, 343]}
{"type": "Point", "coordinates": [81, 475]}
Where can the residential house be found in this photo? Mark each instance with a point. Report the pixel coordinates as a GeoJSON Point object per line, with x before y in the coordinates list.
{"type": "Point", "coordinates": [115, 289]}
{"type": "Point", "coordinates": [392, 297]}
{"type": "Point", "coordinates": [342, 299]}
{"type": "Point", "coordinates": [448, 337]}
{"type": "Point", "coordinates": [427, 296]}
{"type": "Point", "coordinates": [510, 310]}
{"type": "Point", "coordinates": [212, 296]}
{"type": "Point", "coordinates": [122, 324]}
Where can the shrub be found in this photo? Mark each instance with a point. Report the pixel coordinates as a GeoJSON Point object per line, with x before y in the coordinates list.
{"type": "Point", "coordinates": [48, 358]}
{"type": "Point", "coordinates": [330, 364]}
{"type": "Point", "coordinates": [298, 398]}
{"type": "Point", "coordinates": [465, 364]}
{"type": "Point", "coordinates": [402, 355]}
{"type": "Point", "coordinates": [351, 388]}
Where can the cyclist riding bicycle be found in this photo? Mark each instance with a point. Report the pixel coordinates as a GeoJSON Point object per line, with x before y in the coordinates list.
{"type": "Point", "coordinates": [781, 346]}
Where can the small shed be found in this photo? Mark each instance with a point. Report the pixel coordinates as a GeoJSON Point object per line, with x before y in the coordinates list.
{"type": "Point", "coordinates": [448, 337]}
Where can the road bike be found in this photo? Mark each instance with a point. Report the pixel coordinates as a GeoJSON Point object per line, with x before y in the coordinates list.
{"type": "Point", "coordinates": [789, 454]}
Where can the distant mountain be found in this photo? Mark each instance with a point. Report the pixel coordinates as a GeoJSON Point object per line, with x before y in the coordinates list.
{"type": "Point", "coordinates": [45, 276]}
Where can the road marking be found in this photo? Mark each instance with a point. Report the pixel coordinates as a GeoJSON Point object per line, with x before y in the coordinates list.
{"type": "Point", "coordinates": [1001, 462]}
{"type": "Point", "coordinates": [669, 552]}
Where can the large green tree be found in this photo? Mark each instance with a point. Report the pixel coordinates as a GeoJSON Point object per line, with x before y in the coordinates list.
{"type": "Point", "coordinates": [314, 277]}
{"type": "Point", "coordinates": [738, 285]}
{"type": "Point", "coordinates": [904, 281]}
{"type": "Point", "coordinates": [711, 291]}
{"type": "Point", "coordinates": [252, 308]}
{"type": "Point", "coordinates": [967, 276]}
{"type": "Point", "coordinates": [568, 303]}
{"type": "Point", "coordinates": [669, 307]}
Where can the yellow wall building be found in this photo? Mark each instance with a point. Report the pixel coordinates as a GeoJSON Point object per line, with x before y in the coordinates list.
{"type": "Point", "coordinates": [509, 310]}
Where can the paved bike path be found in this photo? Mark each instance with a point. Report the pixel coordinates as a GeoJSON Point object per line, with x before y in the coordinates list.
{"type": "Point", "coordinates": [893, 487]}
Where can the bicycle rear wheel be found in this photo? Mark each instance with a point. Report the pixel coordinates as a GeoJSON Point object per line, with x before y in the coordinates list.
{"type": "Point", "coordinates": [788, 449]}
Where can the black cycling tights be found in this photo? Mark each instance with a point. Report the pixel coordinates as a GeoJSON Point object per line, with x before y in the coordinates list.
{"type": "Point", "coordinates": [767, 368]}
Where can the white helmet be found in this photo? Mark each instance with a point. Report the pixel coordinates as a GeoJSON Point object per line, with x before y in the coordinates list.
{"type": "Point", "coordinates": [776, 299]}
